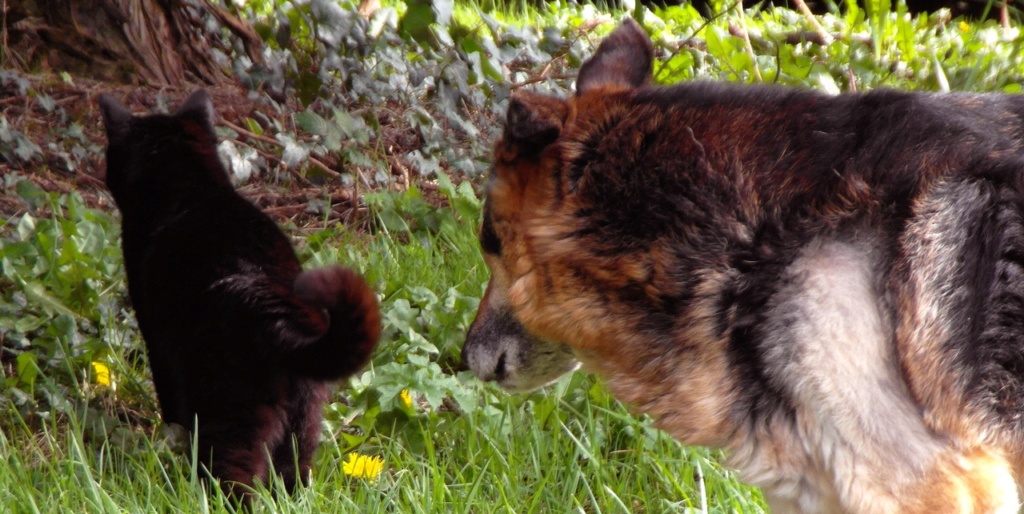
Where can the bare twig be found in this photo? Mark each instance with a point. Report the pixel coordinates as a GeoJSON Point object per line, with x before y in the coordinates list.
{"type": "Point", "coordinates": [323, 167]}
{"type": "Point", "coordinates": [746, 41]}
{"type": "Point", "coordinates": [802, 36]}
{"type": "Point", "coordinates": [808, 36]}
{"type": "Point", "coordinates": [825, 37]}
{"type": "Point", "coordinates": [85, 177]}
{"type": "Point", "coordinates": [271, 141]}
{"type": "Point", "coordinates": [267, 155]}
{"type": "Point", "coordinates": [367, 8]}
{"type": "Point", "coordinates": [9, 58]}
{"type": "Point", "coordinates": [273, 158]}
{"type": "Point", "coordinates": [250, 40]}
{"type": "Point", "coordinates": [690, 41]}
{"type": "Point", "coordinates": [406, 176]}
{"type": "Point", "coordinates": [3, 34]}
{"type": "Point", "coordinates": [252, 135]}
{"type": "Point", "coordinates": [540, 77]}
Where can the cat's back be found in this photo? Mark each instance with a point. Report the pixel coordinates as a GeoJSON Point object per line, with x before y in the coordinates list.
{"type": "Point", "coordinates": [185, 227]}
{"type": "Point", "coordinates": [221, 236]}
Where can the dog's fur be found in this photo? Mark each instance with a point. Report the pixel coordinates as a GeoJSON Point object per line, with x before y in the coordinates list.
{"type": "Point", "coordinates": [831, 288]}
{"type": "Point", "coordinates": [236, 333]}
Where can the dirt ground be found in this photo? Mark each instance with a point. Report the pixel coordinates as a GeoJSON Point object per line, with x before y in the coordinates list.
{"type": "Point", "coordinates": [47, 109]}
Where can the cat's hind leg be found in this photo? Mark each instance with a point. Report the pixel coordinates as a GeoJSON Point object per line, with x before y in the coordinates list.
{"type": "Point", "coordinates": [293, 459]}
{"type": "Point", "coordinates": [238, 451]}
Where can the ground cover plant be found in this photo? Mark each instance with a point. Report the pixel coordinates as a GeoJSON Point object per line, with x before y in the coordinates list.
{"type": "Point", "coordinates": [374, 158]}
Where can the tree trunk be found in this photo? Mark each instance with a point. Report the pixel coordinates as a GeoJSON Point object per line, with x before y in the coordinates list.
{"type": "Point", "coordinates": [153, 42]}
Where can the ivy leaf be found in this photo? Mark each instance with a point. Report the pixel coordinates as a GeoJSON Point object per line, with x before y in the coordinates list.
{"type": "Point", "coordinates": [31, 193]}
{"type": "Point", "coordinates": [240, 165]}
{"type": "Point", "coordinates": [11, 77]}
{"type": "Point", "coordinates": [352, 127]}
{"type": "Point", "coordinates": [46, 102]}
{"type": "Point", "coordinates": [308, 87]}
{"type": "Point", "coordinates": [15, 147]}
{"type": "Point", "coordinates": [294, 154]}
{"type": "Point", "coordinates": [421, 16]}
{"type": "Point", "coordinates": [311, 122]}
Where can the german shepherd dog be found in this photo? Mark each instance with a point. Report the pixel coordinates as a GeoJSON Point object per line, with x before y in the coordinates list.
{"type": "Point", "coordinates": [830, 288]}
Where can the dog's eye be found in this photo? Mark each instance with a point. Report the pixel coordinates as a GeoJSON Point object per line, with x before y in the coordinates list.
{"type": "Point", "coordinates": [489, 240]}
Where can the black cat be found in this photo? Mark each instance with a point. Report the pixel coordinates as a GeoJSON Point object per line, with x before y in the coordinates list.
{"type": "Point", "coordinates": [237, 335]}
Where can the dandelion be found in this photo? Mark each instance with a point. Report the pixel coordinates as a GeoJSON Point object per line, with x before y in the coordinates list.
{"type": "Point", "coordinates": [406, 398]}
{"type": "Point", "coordinates": [964, 26]}
{"type": "Point", "coordinates": [363, 466]}
{"type": "Point", "coordinates": [102, 373]}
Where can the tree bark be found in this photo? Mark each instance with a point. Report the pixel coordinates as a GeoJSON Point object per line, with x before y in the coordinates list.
{"type": "Point", "coordinates": [153, 42]}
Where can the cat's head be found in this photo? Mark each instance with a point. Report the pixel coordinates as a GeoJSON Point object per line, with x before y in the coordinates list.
{"type": "Point", "coordinates": [149, 154]}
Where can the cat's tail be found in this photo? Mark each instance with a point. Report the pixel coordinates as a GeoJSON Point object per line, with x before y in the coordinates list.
{"type": "Point", "coordinates": [354, 323]}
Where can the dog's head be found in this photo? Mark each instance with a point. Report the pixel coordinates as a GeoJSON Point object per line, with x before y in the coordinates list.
{"type": "Point", "coordinates": [506, 343]}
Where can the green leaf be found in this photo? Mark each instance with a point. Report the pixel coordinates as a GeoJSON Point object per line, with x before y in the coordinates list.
{"type": "Point", "coordinates": [253, 126]}
{"type": "Point", "coordinates": [352, 127]}
{"type": "Point", "coordinates": [402, 315]}
{"type": "Point", "coordinates": [38, 293]}
{"type": "Point", "coordinates": [311, 122]}
{"type": "Point", "coordinates": [421, 15]}
{"type": "Point", "coordinates": [28, 323]}
{"type": "Point", "coordinates": [28, 369]}
{"type": "Point", "coordinates": [31, 193]}
{"type": "Point", "coordinates": [484, 63]}
{"type": "Point", "coordinates": [308, 87]}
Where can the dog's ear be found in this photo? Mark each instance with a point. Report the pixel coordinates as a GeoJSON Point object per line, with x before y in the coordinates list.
{"type": "Point", "coordinates": [116, 118]}
{"type": "Point", "coordinates": [199, 107]}
{"type": "Point", "coordinates": [622, 61]}
{"type": "Point", "coordinates": [533, 122]}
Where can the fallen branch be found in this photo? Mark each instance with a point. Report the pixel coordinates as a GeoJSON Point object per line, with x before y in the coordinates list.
{"type": "Point", "coordinates": [271, 141]}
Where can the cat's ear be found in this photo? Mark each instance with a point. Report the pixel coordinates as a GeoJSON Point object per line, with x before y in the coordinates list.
{"type": "Point", "coordinates": [116, 118]}
{"type": "Point", "coordinates": [198, 106]}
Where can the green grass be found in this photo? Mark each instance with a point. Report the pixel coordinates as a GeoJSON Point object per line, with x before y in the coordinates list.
{"type": "Point", "coordinates": [587, 458]}
{"type": "Point", "coordinates": [76, 446]}
{"type": "Point", "coordinates": [73, 445]}
{"type": "Point", "coordinates": [572, 448]}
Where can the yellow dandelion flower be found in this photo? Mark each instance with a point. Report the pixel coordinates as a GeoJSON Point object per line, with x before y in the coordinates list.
{"type": "Point", "coordinates": [964, 26]}
{"type": "Point", "coordinates": [406, 398]}
{"type": "Point", "coordinates": [363, 466]}
{"type": "Point", "coordinates": [102, 373]}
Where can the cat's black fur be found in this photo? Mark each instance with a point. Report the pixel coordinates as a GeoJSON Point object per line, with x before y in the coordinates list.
{"type": "Point", "coordinates": [237, 335]}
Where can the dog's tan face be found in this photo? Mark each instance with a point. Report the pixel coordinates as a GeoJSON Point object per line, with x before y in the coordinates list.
{"type": "Point", "coordinates": [498, 347]}
{"type": "Point", "coordinates": [533, 304]}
